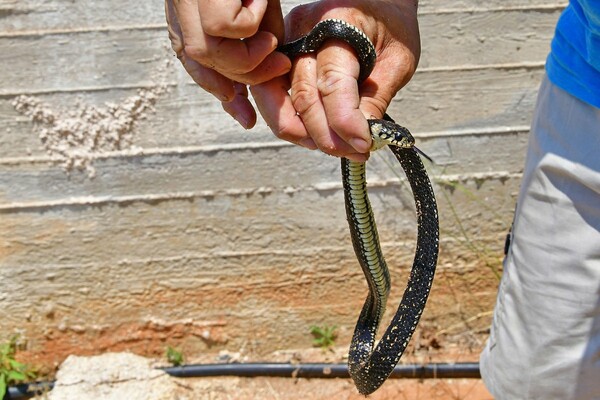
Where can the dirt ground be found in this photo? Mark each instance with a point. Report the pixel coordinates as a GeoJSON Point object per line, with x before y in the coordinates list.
{"type": "Point", "coordinates": [333, 389]}
{"type": "Point", "coordinates": [228, 388]}
{"type": "Point", "coordinates": [264, 388]}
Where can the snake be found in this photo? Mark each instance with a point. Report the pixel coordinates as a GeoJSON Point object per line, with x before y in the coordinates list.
{"type": "Point", "coordinates": [369, 365]}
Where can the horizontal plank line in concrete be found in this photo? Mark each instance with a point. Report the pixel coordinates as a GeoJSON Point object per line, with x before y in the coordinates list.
{"type": "Point", "coordinates": [163, 26]}
{"type": "Point", "coordinates": [306, 251]}
{"type": "Point", "coordinates": [95, 201]}
{"type": "Point", "coordinates": [524, 8]}
{"type": "Point", "coordinates": [82, 29]}
{"type": "Point", "coordinates": [234, 147]}
{"type": "Point", "coordinates": [9, 92]}
{"type": "Point", "coordinates": [85, 89]}
{"type": "Point", "coordinates": [499, 66]}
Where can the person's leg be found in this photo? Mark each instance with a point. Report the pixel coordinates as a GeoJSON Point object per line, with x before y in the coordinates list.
{"type": "Point", "coordinates": [545, 337]}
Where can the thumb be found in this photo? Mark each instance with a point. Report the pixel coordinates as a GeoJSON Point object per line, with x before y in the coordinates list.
{"type": "Point", "coordinates": [273, 20]}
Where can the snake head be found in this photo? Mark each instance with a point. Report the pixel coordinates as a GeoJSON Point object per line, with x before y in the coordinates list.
{"type": "Point", "coordinates": [390, 133]}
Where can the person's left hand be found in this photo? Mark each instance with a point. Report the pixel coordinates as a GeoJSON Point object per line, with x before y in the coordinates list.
{"type": "Point", "coordinates": [326, 108]}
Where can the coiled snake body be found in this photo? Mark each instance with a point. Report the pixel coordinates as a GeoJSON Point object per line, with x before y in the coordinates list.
{"type": "Point", "coordinates": [369, 367]}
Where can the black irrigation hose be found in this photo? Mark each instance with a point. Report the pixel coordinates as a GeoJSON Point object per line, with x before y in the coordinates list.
{"type": "Point", "coordinates": [460, 370]}
{"type": "Point", "coordinates": [282, 370]}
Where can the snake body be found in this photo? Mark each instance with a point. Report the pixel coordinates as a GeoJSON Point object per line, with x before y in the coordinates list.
{"type": "Point", "coordinates": [370, 365]}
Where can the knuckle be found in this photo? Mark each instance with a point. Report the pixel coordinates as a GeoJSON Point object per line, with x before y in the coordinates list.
{"type": "Point", "coordinates": [339, 124]}
{"type": "Point", "coordinates": [243, 66]}
{"type": "Point", "coordinates": [304, 96]}
{"type": "Point", "coordinates": [380, 103]}
{"type": "Point", "coordinates": [299, 12]}
{"type": "Point", "coordinates": [245, 30]}
{"type": "Point", "coordinates": [229, 29]}
{"type": "Point", "coordinates": [215, 27]}
{"type": "Point", "coordinates": [330, 149]}
{"type": "Point", "coordinates": [283, 132]}
{"type": "Point", "coordinates": [331, 79]}
{"type": "Point", "coordinates": [199, 54]}
{"type": "Point", "coordinates": [176, 42]}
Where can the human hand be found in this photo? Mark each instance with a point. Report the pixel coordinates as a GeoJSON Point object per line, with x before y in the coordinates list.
{"type": "Point", "coordinates": [206, 36]}
{"type": "Point", "coordinates": [326, 109]}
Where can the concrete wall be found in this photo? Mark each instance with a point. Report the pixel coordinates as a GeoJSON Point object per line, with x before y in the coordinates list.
{"type": "Point", "coordinates": [134, 213]}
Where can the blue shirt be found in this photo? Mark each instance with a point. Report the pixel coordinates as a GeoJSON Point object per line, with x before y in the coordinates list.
{"type": "Point", "coordinates": [574, 61]}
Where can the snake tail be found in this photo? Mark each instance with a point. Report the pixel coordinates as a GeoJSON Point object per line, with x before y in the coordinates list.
{"type": "Point", "coordinates": [369, 367]}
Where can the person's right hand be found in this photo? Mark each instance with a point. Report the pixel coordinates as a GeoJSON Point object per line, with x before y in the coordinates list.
{"type": "Point", "coordinates": [225, 45]}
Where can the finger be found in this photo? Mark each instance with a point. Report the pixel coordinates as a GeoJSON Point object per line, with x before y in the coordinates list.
{"type": "Point", "coordinates": [263, 72]}
{"type": "Point", "coordinates": [273, 20]}
{"type": "Point", "coordinates": [307, 102]}
{"type": "Point", "coordinates": [174, 29]}
{"type": "Point", "coordinates": [301, 19]}
{"type": "Point", "coordinates": [227, 56]}
{"type": "Point", "coordinates": [240, 107]}
{"type": "Point", "coordinates": [232, 58]}
{"type": "Point", "coordinates": [276, 108]}
{"type": "Point", "coordinates": [232, 19]}
{"type": "Point", "coordinates": [209, 80]}
{"type": "Point", "coordinates": [188, 17]}
{"type": "Point", "coordinates": [338, 70]}
{"type": "Point", "coordinates": [235, 58]}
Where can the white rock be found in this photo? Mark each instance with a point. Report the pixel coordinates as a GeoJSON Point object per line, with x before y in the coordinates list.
{"type": "Point", "coordinates": [115, 376]}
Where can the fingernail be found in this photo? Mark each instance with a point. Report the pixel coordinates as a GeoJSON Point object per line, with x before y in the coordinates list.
{"type": "Point", "coordinates": [274, 42]}
{"type": "Point", "coordinates": [359, 145]}
{"type": "Point", "coordinates": [243, 121]}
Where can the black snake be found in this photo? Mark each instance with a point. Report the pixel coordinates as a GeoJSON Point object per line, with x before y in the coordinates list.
{"type": "Point", "coordinates": [369, 367]}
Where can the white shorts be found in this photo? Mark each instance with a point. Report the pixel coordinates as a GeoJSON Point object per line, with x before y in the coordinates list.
{"type": "Point", "coordinates": [545, 337]}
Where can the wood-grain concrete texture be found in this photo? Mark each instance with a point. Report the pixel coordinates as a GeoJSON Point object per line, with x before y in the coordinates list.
{"type": "Point", "coordinates": [195, 232]}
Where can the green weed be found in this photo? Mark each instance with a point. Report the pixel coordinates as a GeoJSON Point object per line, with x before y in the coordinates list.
{"type": "Point", "coordinates": [11, 370]}
{"type": "Point", "coordinates": [324, 337]}
{"type": "Point", "coordinates": [174, 356]}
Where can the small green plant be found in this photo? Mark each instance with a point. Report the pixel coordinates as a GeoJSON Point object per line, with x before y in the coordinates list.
{"type": "Point", "coordinates": [324, 337]}
{"type": "Point", "coordinates": [174, 356]}
{"type": "Point", "coordinates": [12, 371]}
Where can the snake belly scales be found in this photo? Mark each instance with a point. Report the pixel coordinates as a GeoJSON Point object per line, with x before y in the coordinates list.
{"type": "Point", "coordinates": [370, 365]}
